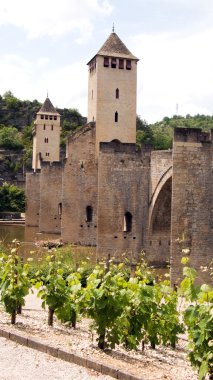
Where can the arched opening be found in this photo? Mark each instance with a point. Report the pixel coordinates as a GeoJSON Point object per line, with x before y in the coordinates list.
{"type": "Point", "coordinates": [117, 93]}
{"type": "Point", "coordinates": [116, 117]}
{"type": "Point", "coordinates": [160, 224]}
{"type": "Point", "coordinates": [127, 222]}
{"type": "Point", "coordinates": [161, 214]}
{"type": "Point", "coordinates": [89, 213]}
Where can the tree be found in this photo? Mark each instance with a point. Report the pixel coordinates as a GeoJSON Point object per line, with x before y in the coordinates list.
{"type": "Point", "coordinates": [162, 137]}
{"type": "Point", "coordinates": [10, 138]}
{"type": "Point", "coordinates": [11, 198]}
{"type": "Point", "coordinates": [11, 101]}
{"type": "Point", "coordinates": [144, 132]}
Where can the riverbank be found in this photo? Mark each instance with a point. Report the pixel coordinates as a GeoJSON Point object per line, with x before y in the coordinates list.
{"type": "Point", "coordinates": [12, 222]}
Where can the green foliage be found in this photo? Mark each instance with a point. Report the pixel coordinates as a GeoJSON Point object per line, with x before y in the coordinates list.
{"type": "Point", "coordinates": [198, 317]}
{"type": "Point", "coordinates": [162, 137]}
{"type": "Point", "coordinates": [10, 138]}
{"type": "Point", "coordinates": [159, 134]}
{"type": "Point", "coordinates": [15, 283]}
{"type": "Point", "coordinates": [20, 114]}
{"type": "Point", "coordinates": [52, 287]}
{"type": "Point", "coordinates": [151, 314]}
{"type": "Point", "coordinates": [73, 304]}
{"type": "Point", "coordinates": [127, 310]}
{"type": "Point", "coordinates": [124, 310]}
{"type": "Point", "coordinates": [105, 298]}
{"type": "Point", "coordinates": [11, 101]}
{"type": "Point", "coordinates": [11, 198]}
{"type": "Point", "coordinates": [144, 132]}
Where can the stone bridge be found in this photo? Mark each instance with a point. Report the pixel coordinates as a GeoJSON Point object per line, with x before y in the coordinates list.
{"type": "Point", "coordinates": [159, 230]}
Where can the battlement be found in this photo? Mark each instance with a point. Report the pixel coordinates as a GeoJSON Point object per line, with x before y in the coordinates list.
{"type": "Point", "coordinates": [116, 146]}
{"type": "Point", "coordinates": [53, 164]}
{"type": "Point", "coordinates": [192, 135]}
{"type": "Point", "coordinates": [87, 127]}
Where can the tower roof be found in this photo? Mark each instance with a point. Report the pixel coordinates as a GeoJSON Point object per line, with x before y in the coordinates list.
{"type": "Point", "coordinates": [114, 47]}
{"type": "Point", "coordinates": [48, 107]}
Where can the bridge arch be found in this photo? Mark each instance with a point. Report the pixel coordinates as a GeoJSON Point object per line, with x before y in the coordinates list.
{"type": "Point", "coordinates": [160, 219]}
{"type": "Point", "coordinates": [162, 181]}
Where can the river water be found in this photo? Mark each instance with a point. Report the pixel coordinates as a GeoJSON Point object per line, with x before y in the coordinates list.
{"type": "Point", "coordinates": [31, 243]}
{"type": "Point", "coordinates": [29, 237]}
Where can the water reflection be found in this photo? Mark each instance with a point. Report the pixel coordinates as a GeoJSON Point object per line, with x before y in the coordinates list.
{"type": "Point", "coordinates": [28, 237]}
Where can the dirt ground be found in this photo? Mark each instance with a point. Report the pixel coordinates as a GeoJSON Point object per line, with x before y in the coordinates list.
{"type": "Point", "coordinates": [19, 362]}
{"type": "Point", "coordinates": [162, 363]}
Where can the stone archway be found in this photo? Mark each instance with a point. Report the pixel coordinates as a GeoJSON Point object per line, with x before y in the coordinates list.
{"type": "Point", "coordinates": [160, 221]}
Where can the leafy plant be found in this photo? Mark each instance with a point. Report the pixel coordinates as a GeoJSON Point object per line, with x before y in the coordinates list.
{"type": "Point", "coordinates": [151, 315]}
{"type": "Point", "coordinates": [15, 283]}
{"type": "Point", "coordinates": [69, 311]}
{"type": "Point", "coordinates": [198, 317]}
{"type": "Point", "coordinates": [52, 289]}
{"type": "Point", "coordinates": [105, 298]}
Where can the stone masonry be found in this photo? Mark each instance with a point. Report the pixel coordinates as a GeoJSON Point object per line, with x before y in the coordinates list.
{"type": "Point", "coordinates": [110, 194]}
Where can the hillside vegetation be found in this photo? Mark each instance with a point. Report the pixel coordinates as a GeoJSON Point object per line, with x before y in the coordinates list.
{"type": "Point", "coordinates": [159, 135]}
{"type": "Point", "coordinates": [16, 122]}
{"type": "Point", "coordinates": [17, 116]}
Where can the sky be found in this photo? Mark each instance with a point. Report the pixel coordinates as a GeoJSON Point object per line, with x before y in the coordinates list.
{"type": "Point", "coordinates": [46, 44]}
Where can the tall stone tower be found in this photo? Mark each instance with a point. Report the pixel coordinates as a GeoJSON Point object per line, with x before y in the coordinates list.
{"type": "Point", "coordinates": [112, 92]}
{"type": "Point", "coordinates": [46, 135]}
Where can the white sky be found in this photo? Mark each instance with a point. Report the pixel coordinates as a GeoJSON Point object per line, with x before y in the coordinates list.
{"type": "Point", "coordinates": [45, 45]}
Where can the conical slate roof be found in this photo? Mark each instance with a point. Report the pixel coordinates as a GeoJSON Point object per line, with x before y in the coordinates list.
{"type": "Point", "coordinates": [114, 47]}
{"type": "Point", "coordinates": [48, 107]}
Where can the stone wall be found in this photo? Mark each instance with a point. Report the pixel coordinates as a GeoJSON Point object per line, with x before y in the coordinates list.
{"type": "Point", "coordinates": [161, 163]}
{"type": "Point", "coordinates": [123, 183]}
{"type": "Point", "coordinates": [32, 199]}
{"type": "Point", "coordinates": [50, 197]}
{"type": "Point", "coordinates": [158, 247]}
{"type": "Point", "coordinates": [80, 188]}
{"type": "Point", "coordinates": [192, 200]}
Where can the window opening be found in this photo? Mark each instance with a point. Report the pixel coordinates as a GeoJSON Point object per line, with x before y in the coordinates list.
{"type": "Point", "coordinates": [116, 117]}
{"type": "Point", "coordinates": [51, 127]}
{"type": "Point", "coordinates": [51, 117]}
{"type": "Point", "coordinates": [106, 62]}
{"type": "Point", "coordinates": [113, 63]}
{"type": "Point", "coordinates": [46, 117]}
{"type": "Point", "coordinates": [121, 64]}
{"type": "Point", "coordinates": [89, 213]}
{"type": "Point", "coordinates": [44, 126]}
{"type": "Point", "coordinates": [127, 222]}
{"type": "Point", "coordinates": [55, 117]}
{"type": "Point", "coordinates": [117, 93]}
{"type": "Point", "coordinates": [42, 116]}
{"type": "Point", "coordinates": [60, 208]}
{"type": "Point", "coordinates": [128, 64]}
{"type": "Point", "coordinates": [46, 140]}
